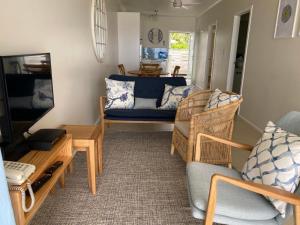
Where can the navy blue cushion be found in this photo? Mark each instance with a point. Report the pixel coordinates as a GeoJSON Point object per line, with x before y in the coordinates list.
{"type": "Point", "coordinates": [150, 87]}
{"type": "Point", "coordinates": [140, 114]}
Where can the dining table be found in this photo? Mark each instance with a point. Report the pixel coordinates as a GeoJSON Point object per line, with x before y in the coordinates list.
{"type": "Point", "coordinates": [141, 73]}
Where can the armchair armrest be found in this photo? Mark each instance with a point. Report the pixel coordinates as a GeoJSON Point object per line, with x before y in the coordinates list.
{"type": "Point", "coordinates": [253, 187]}
{"type": "Point", "coordinates": [220, 140]}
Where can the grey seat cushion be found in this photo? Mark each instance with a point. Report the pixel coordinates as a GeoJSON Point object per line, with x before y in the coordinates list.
{"type": "Point", "coordinates": [183, 127]}
{"type": "Point", "coordinates": [232, 202]}
{"type": "Point", "coordinates": [198, 214]}
{"type": "Point", "coordinates": [290, 122]}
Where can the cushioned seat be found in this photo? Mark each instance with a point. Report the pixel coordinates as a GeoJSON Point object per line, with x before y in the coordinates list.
{"type": "Point", "coordinates": [140, 114]}
{"type": "Point", "coordinates": [183, 127]}
{"type": "Point", "coordinates": [150, 87]}
{"type": "Point", "coordinates": [234, 205]}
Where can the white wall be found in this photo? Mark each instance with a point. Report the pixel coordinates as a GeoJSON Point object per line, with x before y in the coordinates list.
{"type": "Point", "coordinates": [129, 39]}
{"type": "Point", "coordinates": [200, 63]}
{"type": "Point", "coordinates": [63, 29]}
{"type": "Point", "coordinates": [271, 85]}
{"type": "Point", "coordinates": [166, 24]}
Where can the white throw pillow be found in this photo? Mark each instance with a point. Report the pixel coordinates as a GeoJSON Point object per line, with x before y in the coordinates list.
{"type": "Point", "coordinates": [219, 98]}
{"type": "Point", "coordinates": [145, 103]}
{"type": "Point", "coordinates": [173, 95]}
{"type": "Point", "coordinates": [120, 94]}
{"type": "Point", "coordinates": [275, 161]}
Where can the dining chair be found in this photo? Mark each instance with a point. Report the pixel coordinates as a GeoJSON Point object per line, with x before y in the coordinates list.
{"type": "Point", "coordinates": [149, 66]}
{"type": "Point", "coordinates": [122, 69]}
{"type": "Point", "coordinates": [219, 194]}
{"type": "Point", "coordinates": [176, 71]}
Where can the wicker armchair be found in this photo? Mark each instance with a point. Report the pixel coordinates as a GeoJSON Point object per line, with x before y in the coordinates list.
{"type": "Point", "coordinates": [191, 119]}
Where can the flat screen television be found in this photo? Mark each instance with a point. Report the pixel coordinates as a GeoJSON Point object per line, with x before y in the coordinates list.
{"type": "Point", "coordinates": [155, 53]}
{"type": "Point", "coordinates": [26, 95]}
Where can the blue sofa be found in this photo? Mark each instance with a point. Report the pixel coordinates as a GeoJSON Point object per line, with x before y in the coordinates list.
{"type": "Point", "coordinates": [145, 87]}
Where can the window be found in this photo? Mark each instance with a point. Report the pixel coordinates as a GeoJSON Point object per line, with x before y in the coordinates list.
{"type": "Point", "coordinates": [181, 52]}
{"type": "Point", "coordinates": [99, 28]}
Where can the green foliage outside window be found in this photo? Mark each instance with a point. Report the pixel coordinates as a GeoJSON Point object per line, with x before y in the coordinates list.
{"type": "Point", "coordinates": [180, 40]}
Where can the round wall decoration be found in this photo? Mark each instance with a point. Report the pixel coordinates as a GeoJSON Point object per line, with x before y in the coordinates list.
{"type": "Point", "coordinates": [286, 19]}
{"type": "Point", "coordinates": [155, 35]}
{"type": "Point", "coordinates": [286, 13]}
{"type": "Point", "coordinates": [99, 28]}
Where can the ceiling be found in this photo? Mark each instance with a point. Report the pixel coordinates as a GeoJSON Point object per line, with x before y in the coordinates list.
{"type": "Point", "coordinates": [165, 7]}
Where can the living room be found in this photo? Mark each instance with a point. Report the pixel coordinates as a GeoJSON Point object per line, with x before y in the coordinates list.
{"type": "Point", "coordinates": [131, 177]}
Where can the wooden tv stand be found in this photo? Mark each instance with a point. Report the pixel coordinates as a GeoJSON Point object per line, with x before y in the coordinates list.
{"type": "Point", "coordinates": [62, 151]}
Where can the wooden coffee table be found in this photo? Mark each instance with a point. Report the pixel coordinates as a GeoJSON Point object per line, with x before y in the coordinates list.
{"type": "Point", "coordinates": [88, 138]}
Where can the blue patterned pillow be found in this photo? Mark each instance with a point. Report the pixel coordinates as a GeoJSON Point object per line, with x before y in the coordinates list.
{"type": "Point", "coordinates": [120, 94]}
{"type": "Point", "coordinates": [173, 95]}
{"type": "Point", "coordinates": [275, 161]}
{"type": "Point", "coordinates": [219, 98]}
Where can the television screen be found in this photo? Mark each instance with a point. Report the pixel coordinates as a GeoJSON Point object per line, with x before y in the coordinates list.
{"type": "Point", "coordinates": [29, 90]}
{"type": "Point", "coordinates": [155, 53]}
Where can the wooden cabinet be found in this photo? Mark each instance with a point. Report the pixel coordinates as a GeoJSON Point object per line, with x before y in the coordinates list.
{"type": "Point", "coordinates": [62, 151]}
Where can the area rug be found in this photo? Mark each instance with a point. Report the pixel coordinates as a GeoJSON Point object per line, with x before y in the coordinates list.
{"type": "Point", "coordinates": [142, 184]}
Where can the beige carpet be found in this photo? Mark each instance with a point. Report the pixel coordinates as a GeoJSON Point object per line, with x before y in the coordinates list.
{"type": "Point", "coordinates": [142, 184]}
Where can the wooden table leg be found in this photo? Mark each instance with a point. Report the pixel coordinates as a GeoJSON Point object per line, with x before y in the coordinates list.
{"type": "Point", "coordinates": [100, 153]}
{"type": "Point", "coordinates": [16, 197]}
{"type": "Point", "coordinates": [96, 158]}
{"type": "Point", "coordinates": [297, 215]}
{"type": "Point", "coordinates": [91, 166]}
{"type": "Point", "coordinates": [70, 167]}
{"type": "Point", "coordinates": [62, 180]}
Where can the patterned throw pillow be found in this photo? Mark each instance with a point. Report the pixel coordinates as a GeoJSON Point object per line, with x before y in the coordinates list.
{"type": "Point", "coordinates": [275, 161]}
{"type": "Point", "coordinates": [218, 98]}
{"type": "Point", "coordinates": [173, 95]}
{"type": "Point", "coordinates": [120, 94]}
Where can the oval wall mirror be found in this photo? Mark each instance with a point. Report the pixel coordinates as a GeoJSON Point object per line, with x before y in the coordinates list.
{"type": "Point", "coordinates": [99, 28]}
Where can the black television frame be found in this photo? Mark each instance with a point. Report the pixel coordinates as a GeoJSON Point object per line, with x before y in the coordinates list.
{"type": "Point", "coordinates": [5, 123]}
{"type": "Point", "coordinates": [12, 140]}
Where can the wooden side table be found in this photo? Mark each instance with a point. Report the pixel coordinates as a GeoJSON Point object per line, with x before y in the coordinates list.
{"type": "Point", "coordinates": [88, 138]}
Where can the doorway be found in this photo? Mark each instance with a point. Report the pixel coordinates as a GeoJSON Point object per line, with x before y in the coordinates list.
{"type": "Point", "coordinates": [181, 52]}
{"type": "Point", "coordinates": [238, 55]}
{"type": "Point", "coordinates": [211, 43]}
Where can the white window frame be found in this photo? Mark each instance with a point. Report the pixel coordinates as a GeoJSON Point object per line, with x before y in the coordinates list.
{"type": "Point", "coordinates": [99, 28]}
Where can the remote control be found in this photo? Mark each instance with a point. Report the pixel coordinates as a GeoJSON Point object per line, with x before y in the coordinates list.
{"type": "Point", "coordinates": [54, 167]}
{"type": "Point", "coordinates": [39, 183]}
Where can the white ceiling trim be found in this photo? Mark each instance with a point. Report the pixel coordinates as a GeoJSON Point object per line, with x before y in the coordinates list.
{"type": "Point", "coordinates": [209, 8]}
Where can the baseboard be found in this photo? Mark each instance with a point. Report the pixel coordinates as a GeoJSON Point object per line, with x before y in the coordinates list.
{"type": "Point", "coordinates": [251, 124]}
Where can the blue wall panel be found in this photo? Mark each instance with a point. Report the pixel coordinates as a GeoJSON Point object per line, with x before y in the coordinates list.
{"type": "Point", "coordinates": [6, 212]}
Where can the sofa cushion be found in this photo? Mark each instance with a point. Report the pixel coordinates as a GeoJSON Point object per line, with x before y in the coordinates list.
{"type": "Point", "coordinates": [120, 94]}
{"type": "Point", "coordinates": [290, 122]}
{"type": "Point", "coordinates": [274, 161]}
{"type": "Point", "coordinates": [219, 98]}
{"type": "Point", "coordinates": [150, 87]}
{"type": "Point", "coordinates": [140, 114]}
{"type": "Point", "coordinates": [145, 103]}
{"type": "Point", "coordinates": [183, 127]}
{"type": "Point", "coordinates": [232, 201]}
{"type": "Point", "coordinates": [173, 95]}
